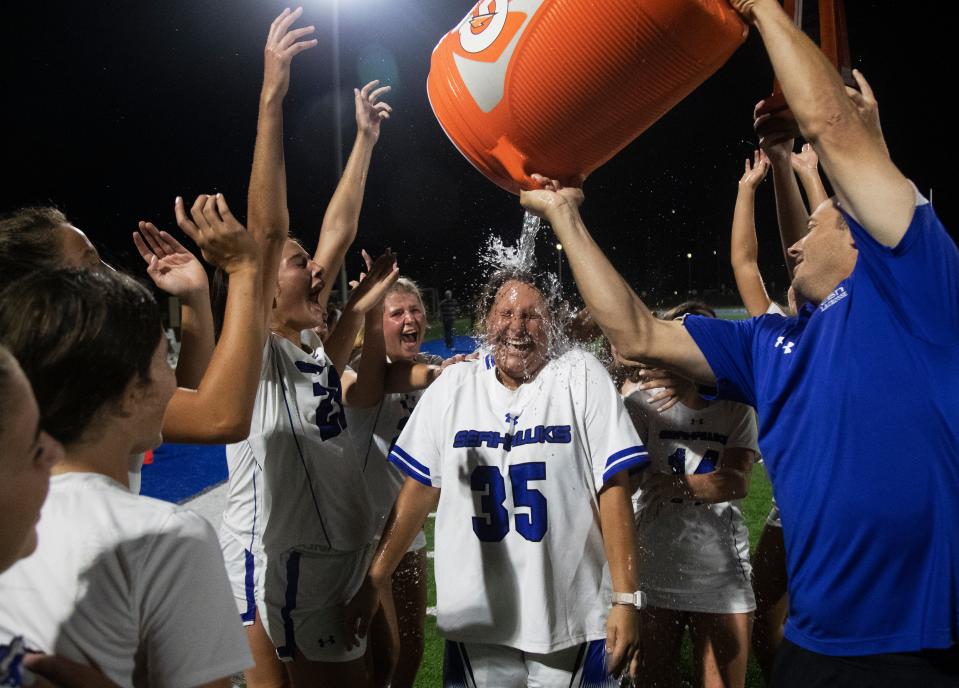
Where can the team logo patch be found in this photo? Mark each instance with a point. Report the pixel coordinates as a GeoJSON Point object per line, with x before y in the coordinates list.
{"type": "Point", "coordinates": [483, 25]}
{"type": "Point", "coordinates": [838, 295]}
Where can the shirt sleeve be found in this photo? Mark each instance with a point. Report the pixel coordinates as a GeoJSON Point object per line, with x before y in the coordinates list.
{"type": "Point", "coordinates": [612, 441]}
{"type": "Point", "coordinates": [418, 450]}
{"type": "Point", "coordinates": [191, 630]}
{"type": "Point", "coordinates": [727, 346]}
{"type": "Point", "coordinates": [919, 278]}
{"type": "Point", "coordinates": [742, 431]}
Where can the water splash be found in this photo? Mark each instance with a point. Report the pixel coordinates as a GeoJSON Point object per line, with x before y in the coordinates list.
{"type": "Point", "coordinates": [522, 256]}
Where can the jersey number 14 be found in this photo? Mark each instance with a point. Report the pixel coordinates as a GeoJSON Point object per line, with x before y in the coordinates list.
{"type": "Point", "coordinates": [493, 524]}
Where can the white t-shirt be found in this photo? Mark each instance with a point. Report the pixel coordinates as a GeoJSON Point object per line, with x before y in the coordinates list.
{"type": "Point", "coordinates": [691, 548]}
{"type": "Point", "coordinates": [128, 583]}
{"type": "Point", "coordinates": [297, 480]}
{"type": "Point", "coordinates": [519, 552]}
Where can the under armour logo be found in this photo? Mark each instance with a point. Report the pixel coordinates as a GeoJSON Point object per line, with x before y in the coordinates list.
{"type": "Point", "coordinates": [331, 640]}
{"type": "Point", "coordinates": [695, 421]}
{"type": "Point", "coordinates": [512, 419]}
{"type": "Point", "coordinates": [788, 348]}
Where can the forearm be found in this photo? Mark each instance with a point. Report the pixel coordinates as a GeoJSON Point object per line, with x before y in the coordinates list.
{"type": "Point", "coordinates": [722, 485]}
{"type": "Point", "coordinates": [814, 188]}
{"type": "Point", "coordinates": [339, 345]}
{"type": "Point", "coordinates": [624, 318]}
{"type": "Point", "coordinates": [196, 339]}
{"type": "Point", "coordinates": [341, 220]}
{"type": "Point", "coordinates": [413, 505]}
{"type": "Point", "coordinates": [619, 537]}
{"type": "Point", "coordinates": [367, 390]}
{"type": "Point", "coordinates": [620, 313]}
{"type": "Point", "coordinates": [744, 252]}
{"type": "Point", "coordinates": [790, 210]}
{"type": "Point", "coordinates": [220, 409]}
{"type": "Point", "coordinates": [267, 213]}
{"type": "Point", "coordinates": [410, 376]}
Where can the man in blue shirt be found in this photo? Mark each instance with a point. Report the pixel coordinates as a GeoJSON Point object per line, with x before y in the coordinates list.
{"type": "Point", "coordinates": [858, 396]}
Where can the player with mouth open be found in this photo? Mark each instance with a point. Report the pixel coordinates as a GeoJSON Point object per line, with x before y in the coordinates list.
{"type": "Point", "coordinates": [524, 454]}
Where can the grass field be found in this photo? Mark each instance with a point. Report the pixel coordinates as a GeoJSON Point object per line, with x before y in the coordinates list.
{"type": "Point", "coordinates": [755, 508]}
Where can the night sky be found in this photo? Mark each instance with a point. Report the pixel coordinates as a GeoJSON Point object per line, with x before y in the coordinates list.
{"type": "Point", "coordinates": [113, 108]}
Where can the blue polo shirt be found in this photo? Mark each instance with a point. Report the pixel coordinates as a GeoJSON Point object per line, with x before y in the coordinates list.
{"type": "Point", "coordinates": [858, 403]}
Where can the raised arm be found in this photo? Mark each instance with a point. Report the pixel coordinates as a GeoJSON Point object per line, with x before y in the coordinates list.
{"type": "Point", "coordinates": [620, 313]}
{"type": "Point", "coordinates": [791, 212]}
{"type": "Point", "coordinates": [806, 166]}
{"type": "Point", "coordinates": [743, 245]}
{"type": "Point", "coordinates": [221, 407]}
{"type": "Point", "coordinates": [177, 272]}
{"type": "Point", "coordinates": [267, 213]}
{"type": "Point", "coordinates": [365, 297]}
{"type": "Point", "coordinates": [343, 212]}
{"type": "Point", "coordinates": [865, 179]}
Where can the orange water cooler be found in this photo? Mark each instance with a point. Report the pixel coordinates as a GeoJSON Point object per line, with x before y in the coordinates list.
{"type": "Point", "coordinates": [558, 87]}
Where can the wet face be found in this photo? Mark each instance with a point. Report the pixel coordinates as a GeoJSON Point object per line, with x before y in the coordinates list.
{"type": "Point", "coordinates": [825, 256]}
{"type": "Point", "coordinates": [404, 324]}
{"type": "Point", "coordinates": [76, 251]}
{"type": "Point", "coordinates": [25, 462]}
{"type": "Point", "coordinates": [298, 286]}
{"type": "Point", "coordinates": [516, 330]}
{"type": "Point", "coordinates": [151, 398]}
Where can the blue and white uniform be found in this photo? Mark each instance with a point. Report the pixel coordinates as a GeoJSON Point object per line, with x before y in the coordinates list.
{"type": "Point", "coordinates": [519, 553]}
{"type": "Point", "coordinates": [299, 519]}
{"type": "Point", "coordinates": [695, 556]}
{"type": "Point", "coordinates": [858, 407]}
{"type": "Point", "coordinates": [374, 430]}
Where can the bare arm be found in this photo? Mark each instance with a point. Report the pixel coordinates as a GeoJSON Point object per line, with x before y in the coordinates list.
{"type": "Point", "coordinates": [267, 213]}
{"type": "Point", "coordinates": [729, 481]}
{"type": "Point", "coordinates": [343, 212]}
{"type": "Point", "coordinates": [366, 296]}
{"type": "Point", "coordinates": [865, 179]}
{"type": "Point", "coordinates": [413, 505]}
{"type": "Point", "coordinates": [221, 407]}
{"type": "Point", "coordinates": [806, 166]}
{"type": "Point", "coordinates": [791, 212]}
{"type": "Point", "coordinates": [744, 247]}
{"type": "Point", "coordinates": [366, 389]}
{"type": "Point", "coordinates": [623, 317]}
{"type": "Point", "coordinates": [619, 540]}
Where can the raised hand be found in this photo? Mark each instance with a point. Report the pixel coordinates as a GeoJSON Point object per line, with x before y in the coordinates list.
{"type": "Point", "coordinates": [370, 111]}
{"type": "Point", "coordinates": [806, 161]}
{"type": "Point", "coordinates": [373, 287]}
{"type": "Point", "coordinates": [670, 388]}
{"type": "Point", "coordinates": [754, 174]}
{"type": "Point", "coordinates": [369, 265]}
{"type": "Point", "coordinates": [282, 45]}
{"type": "Point", "coordinates": [867, 106]}
{"type": "Point", "coordinates": [223, 241]}
{"type": "Point", "coordinates": [552, 197]}
{"type": "Point", "coordinates": [171, 267]}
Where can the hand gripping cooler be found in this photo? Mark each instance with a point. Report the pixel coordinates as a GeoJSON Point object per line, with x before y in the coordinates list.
{"type": "Point", "coordinates": [558, 87]}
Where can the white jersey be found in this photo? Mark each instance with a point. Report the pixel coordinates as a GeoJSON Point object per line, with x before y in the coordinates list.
{"type": "Point", "coordinates": [127, 583]}
{"type": "Point", "coordinates": [519, 552]}
{"type": "Point", "coordinates": [296, 481]}
{"type": "Point", "coordinates": [374, 431]}
{"type": "Point", "coordinates": [694, 556]}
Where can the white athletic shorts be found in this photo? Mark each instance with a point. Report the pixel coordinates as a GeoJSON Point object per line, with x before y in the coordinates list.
{"type": "Point", "coordinates": [476, 665]}
{"type": "Point", "coordinates": [306, 590]}
{"type": "Point", "coordinates": [246, 572]}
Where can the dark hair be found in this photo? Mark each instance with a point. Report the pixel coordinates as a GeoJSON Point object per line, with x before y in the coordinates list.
{"type": "Point", "coordinates": [496, 281]}
{"type": "Point", "coordinates": [80, 337]}
{"type": "Point", "coordinates": [27, 242]}
{"type": "Point", "coordinates": [688, 308]}
{"type": "Point", "coordinates": [8, 368]}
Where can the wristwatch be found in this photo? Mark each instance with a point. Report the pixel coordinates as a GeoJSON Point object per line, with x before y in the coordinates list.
{"type": "Point", "coordinates": [636, 599]}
